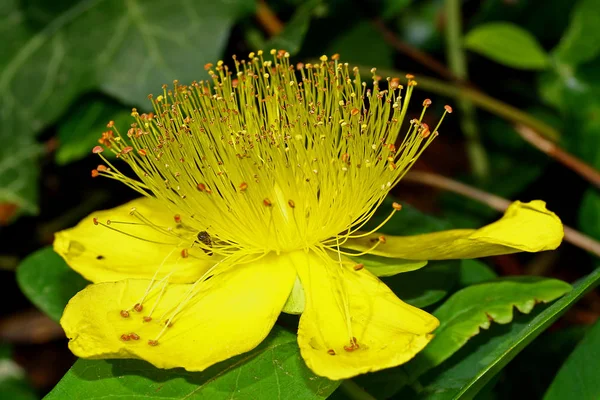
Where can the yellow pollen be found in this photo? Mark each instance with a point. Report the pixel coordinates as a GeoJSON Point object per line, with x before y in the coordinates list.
{"type": "Point", "coordinates": [228, 153]}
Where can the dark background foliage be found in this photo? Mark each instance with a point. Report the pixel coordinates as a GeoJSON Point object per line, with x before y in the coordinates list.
{"type": "Point", "coordinates": [508, 67]}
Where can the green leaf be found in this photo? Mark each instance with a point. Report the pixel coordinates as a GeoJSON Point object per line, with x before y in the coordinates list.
{"type": "Point", "coordinates": [507, 44]}
{"type": "Point", "coordinates": [362, 35]}
{"type": "Point", "coordinates": [473, 272]}
{"type": "Point", "coordinates": [48, 282]}
{"type": "Point", "coordinates": [274, 370]}
{"type": "Point", "coordinates": [581, 42]}
{"type": "Point", "coordinates": [589, 213]}
{"type": "Point", "coordinates": [471, 309]}
{"type": "Point", "coordinates": [125, 48]}
{"type": "Point", "coordinates": [13, 384]}
{"type": "Point", "coordinates": [463, 375]}
{"type": "Point", "coordinates": [426, 286]}
{"type": "Point", "coordinates": [292, 36]}
{"type": "Point", "coordinates": [19, 171]}
{"type": "Point", "coordinates": [384, 266]}
{"type": "Point", "coordinates": [80, 132]}
{"type": "Point", "coordinates": [578, 377]}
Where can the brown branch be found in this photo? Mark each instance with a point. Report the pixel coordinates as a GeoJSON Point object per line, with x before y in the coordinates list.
{"type": "Point", "coordinates": [268, 19]}
{"type": "Point", "coordinates": [552, 150]}
{"type": "Point", "coordinates": [572, 236]}
{"type": "Point", "coordinates": [420, 56]}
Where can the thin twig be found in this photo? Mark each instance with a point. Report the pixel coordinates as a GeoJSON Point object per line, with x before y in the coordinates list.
{"type": "Point", "coordinates": [414, 53]}
{"type": "Point", "coordinates": [268, 19]}
{"type": "Point", "coordinates": [478, 159]}
{"type": "Point", "coordinates": [552, 150]}
{"type": "Point", "coordinates": [572, 236]}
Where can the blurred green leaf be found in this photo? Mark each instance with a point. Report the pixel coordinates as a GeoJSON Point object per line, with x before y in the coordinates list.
{"type": "Point", "coordinates": [80, 132]}
{"type": "Point", "coordinates": [428, 285]}
{"type": "Point", "coordinates": [13, 385]}
{"type": "Point", "coordinates": [125, 48]}
{"type": "Point", "coordinates": [589, 213]}
{"type": "Point", "coordinates": [292, 36]}
{"type": "Point", "coordinates": [48, 282]}
{"type": "Point", "coordinates": [274, 370]}
{"type": "Point", "coordinates": [391, 8]}
{"type": "Point", "coordinates": [471, 309]}
{"type": "Point", "coordinates": [578, 377]}
{"type": "Point", "coordinates": [374, 51]}
{"type": "Point", "coordinates": [19, 171]}
{"type": "Point", "coordinates": [473, 272]}
{"type": "Point", "coordinates": [507, 44]}
{"type": "Point", "coordinates": [469, 370]}
{"type": "Point", "coordinates": [581, 41]}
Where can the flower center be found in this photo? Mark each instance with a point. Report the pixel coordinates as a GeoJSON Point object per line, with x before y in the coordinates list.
{"type": "Point", "coordinates": [269, 157]}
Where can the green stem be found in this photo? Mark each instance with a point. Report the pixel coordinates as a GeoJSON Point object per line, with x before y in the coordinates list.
{"type": "Point", "coordinates": [481, 100]}
{"type": "Point", "coordinates": [458, 65]}
{"type": "Point", "coordinates": [355, 392]}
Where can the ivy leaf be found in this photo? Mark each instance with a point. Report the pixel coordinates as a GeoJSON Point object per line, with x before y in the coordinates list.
{"type": "Point", "coordinates": [80, 132]}
{"type": "Point", "coordinates": [507, 44]}
{"type": "Point", "coordinates": [48, 282]}
{"type": "Point", "coordinates": [124, 48]}
{"type": "Point", "coordinates": [578, 377]}
{"type": "Point", "coordinates": [274, 370]}
{"type": "Point", "coordinates": [471, 309]}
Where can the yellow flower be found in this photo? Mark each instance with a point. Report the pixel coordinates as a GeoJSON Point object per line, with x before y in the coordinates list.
{"type": "Point", "coordinates": [256, 186]}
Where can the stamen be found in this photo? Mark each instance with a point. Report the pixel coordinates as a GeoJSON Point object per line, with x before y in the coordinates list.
{"type": "Point", "coordinates": [124, 313]}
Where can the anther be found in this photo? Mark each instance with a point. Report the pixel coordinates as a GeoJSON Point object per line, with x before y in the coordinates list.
{"type": "Point", "coordinates": [267, 203]}
{"type": "Point", "coordinates": [426, 102]}
{"type": "Point", "coordinates": [425, 130]}
{"type": "Point", "coordinates": [381, 239]}
{"type": "Point", "coordinates": [95, 221]}
{"type": "Point", "coordinates": [410, 76]}
{"type": "Point", "coordinates": [97, 149]}
{"type": "Point", "coordinates": [124, 313]}
{"type": "Point", "coordinates": [125, 337]}
{"type": "Point", "coordinates": [138, 307]}
{"type": "Point", "coordinates": [184, 253]}
{"type": "Point", "coordinates": [291, 204]}
{"type": "Point", "coordinates": [358, 267]}
{"type": "Point", "coordinates": [95, 173]}
{"type": "Point", "coordinates": [177, 218]}
{"type": "Point", "coordinates": [134, 336]}
{"type": "Point", "coordinates": [397, 206]}
{"type": "Point", "coordinates": [142, 152]}
{"type": "Point", "coordinates": [202, 187]}
{"type": "Point", "coordinates": [101, 168]}
{"type": "Point", "coordinates": [448, 109]}
{"type": "Point", "coordinates": [152, 342]}
{"type": "Point", "coordinates": [331, 352]}
{"type": "Point", "coordinates": [354, 111]}
{"type": "Point", "coordinates": [147, 319]}
{"type": "Point", "coordinates": [243, 186]}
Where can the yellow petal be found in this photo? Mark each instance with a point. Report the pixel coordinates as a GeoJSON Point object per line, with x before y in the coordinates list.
{"type": "Point", "coordinates": [524, 227]}
{"type": "Point", "coordinates": [231, 313]}
{"type": "Point", "coordinates": [102, 254]}
{"type": "Point", "coordinates": [342, 303]}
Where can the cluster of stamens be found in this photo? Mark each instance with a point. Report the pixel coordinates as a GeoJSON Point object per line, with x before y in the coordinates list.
{"type": "Point", "coordinates": [268, 157]}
